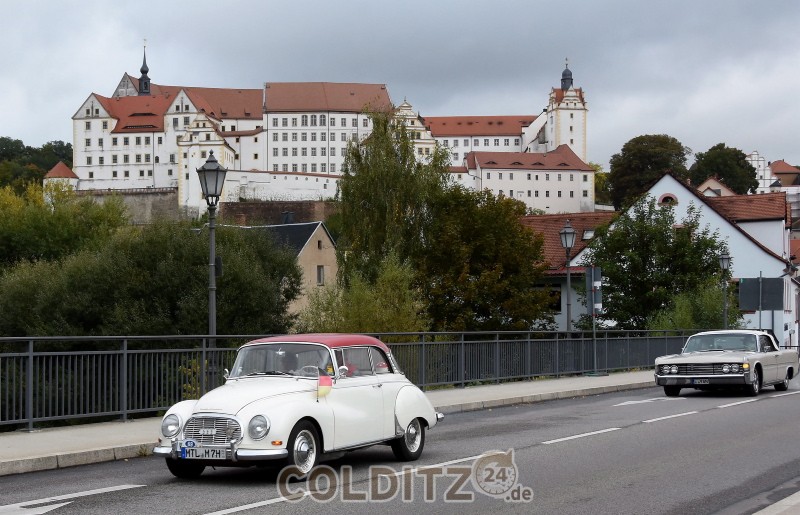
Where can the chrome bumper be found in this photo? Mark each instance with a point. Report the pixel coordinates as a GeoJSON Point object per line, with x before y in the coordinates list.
{"type": "Point", "coordinates": [439, 416]}
{"type": "Point", "coordinates": [173, 451]}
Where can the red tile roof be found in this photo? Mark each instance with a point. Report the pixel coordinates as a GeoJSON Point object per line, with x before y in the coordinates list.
{"type": "Point", "coordinates": [326, 96]}
{"type": "Point", "coordinates": [477, 125]}
{"type": "Point", "coordinates": [244, 104]}
{"type": "Point", "coordinates": [782, 166]}
{"type": "Point", "coordinates": [550, 225]}
{"type": "Point", "coordinates": [746, 208]}
{"type": "Point", "coordinates": [135, 113]}
{"type": "Point", "coordinates": [559, 93]}
{"type": "Point", "coordinates": [562, 158]}
{"type": "Point", "coordinates": [60, 171]}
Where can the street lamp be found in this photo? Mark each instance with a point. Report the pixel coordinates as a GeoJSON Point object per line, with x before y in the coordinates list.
{"type": "Point", "coordinates": [724, 264]}
{"type": "Point", "coordinates": [567, 235]}
{"type": "Point", "coordinates": [212, 178]}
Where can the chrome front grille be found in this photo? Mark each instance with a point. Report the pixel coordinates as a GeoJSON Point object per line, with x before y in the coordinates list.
{"type": "Point", "coordinates": [706, 369]}
{"type": "Point", "coordinates": [212, 430]}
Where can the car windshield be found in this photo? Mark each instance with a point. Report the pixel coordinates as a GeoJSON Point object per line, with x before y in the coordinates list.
{"type": "Point", "coordinates": [721, 342]}
{"type": "Point", "coordinates": [283, 359]}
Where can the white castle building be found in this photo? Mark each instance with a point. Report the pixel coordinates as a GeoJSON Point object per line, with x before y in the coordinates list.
{"type": "Point", "coordinates": [288, 140]}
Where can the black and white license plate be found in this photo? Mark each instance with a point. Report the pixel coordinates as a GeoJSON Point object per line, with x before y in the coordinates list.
{"type": "Point", "coordinates": [202, 453]}
{"type": "Point", "coordinates": [700, 381]}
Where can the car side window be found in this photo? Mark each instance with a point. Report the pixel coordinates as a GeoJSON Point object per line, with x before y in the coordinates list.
{"type": "Point", "coordinates": [766, 344]}
{"type": "Point", "coordinates": [380, 361]}
{"type": "Point", "coordinates": [357, 361]}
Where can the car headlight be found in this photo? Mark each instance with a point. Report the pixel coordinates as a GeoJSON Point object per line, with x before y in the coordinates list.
{"type": "Point", "coordinates": [665, 369]}
{"type": "Point", "coordinates": [258, 427]}
{"type": "Point", "coordinates": [726, 369]}
{"type": "Point", "coordinates": [170, 425]}
{"type": "Point", "coordinates": [673, 369]}
{"type": "Point", "coordinates": [734, 368]}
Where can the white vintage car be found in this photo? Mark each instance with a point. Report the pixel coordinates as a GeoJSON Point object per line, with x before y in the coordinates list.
{"type": "Point", "coordinates": [724, 359]}
{"type": "Point", "coordinates": [300, 399]}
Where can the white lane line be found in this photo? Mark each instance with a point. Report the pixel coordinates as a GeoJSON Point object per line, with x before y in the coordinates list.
{"type": "Point", "coordinates": [785, 394]}
{"type": "Point", "coordinates": [299, 495]}
{"type": "Point", "coordinates": [669, 417]}
{"type": "Point", "coordinates": [737, 403]}
{"type": "Point", "coordinates": [22, 507]}
{"type": "Point", "coordinates": [583, 435]}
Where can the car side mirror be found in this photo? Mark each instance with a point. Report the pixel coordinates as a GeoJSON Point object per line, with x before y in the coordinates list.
{"type": "Point", "coordinates": [343, 371]}
{"type": "Point", "coordinates": [226, 373]}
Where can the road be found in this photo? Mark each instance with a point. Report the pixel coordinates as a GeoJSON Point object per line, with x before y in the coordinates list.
{"type": "Point", "coordinates": [624, 453]}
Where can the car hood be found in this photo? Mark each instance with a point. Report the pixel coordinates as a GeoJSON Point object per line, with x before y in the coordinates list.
{"type": "Point", "coordinates": [704, 357]}
{"type": "Point", "coordinates": [235, 394]}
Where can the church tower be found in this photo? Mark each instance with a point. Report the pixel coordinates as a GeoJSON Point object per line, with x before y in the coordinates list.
{"type": "Point", "coordinates": [566, 116]}
{"type": "Point", "coordinates": [144, 80]}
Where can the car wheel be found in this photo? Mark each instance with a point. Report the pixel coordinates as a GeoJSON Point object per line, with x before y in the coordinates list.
{"type": "Point", "coordinates": [409, 446]}
{"type": "Point", "coordinates": [303, 447]}
{"type": "Point", "coordinates": [185, 469]}
{"type": "Point", "coordinates": [754, 388]}
{"type": "Point", "coordinates": [672, 391]}
{"type": "Point", "coordinates": [783, 385]}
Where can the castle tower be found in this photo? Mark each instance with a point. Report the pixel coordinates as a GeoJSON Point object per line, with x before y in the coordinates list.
{"type": "Point", "coordinates": [144, 80]}
{"type": "Point", "coordinates": [566, 116]}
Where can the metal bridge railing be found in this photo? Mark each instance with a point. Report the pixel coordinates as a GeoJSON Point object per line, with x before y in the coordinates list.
{"type": "Point", "coordinates": [44, 379]}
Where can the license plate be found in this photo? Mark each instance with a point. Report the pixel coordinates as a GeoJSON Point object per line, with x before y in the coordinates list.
{"type": "Point", "coordinates": [700, 381]}
{"type": "Point", "coordinates": [202, 453]}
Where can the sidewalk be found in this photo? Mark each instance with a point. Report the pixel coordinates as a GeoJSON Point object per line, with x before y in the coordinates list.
{"type": "Point", "coordinates": [92, 443]}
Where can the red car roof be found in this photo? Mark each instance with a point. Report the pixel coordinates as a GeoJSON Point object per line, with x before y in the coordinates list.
{"type": "Point", "coordinates": [332, 340]}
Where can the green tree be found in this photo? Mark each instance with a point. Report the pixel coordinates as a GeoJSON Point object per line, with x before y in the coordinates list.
{"type": "Point", "coordinates": [602, 192]}
{"type": "Point", "coordinates": [32, 229]}
{"type": "Point", "coordinates": [648, 259]}
{"type": "Point", "coordinates": [642, 161]}
{"type": "Point", "coordinates": [700, 308]}
{"type": "Point", "coordinates": [153, 280]}
{"type": "Point", "coordinates": [480, 265]}
{"type": "Point", "coordinates": [21, 165]}
{"type": "Point", "coordinates": [390, 304]}
{"type": "Point", "coordinates": [729, 165]}
{"type": "Point", "coordinates": [385, 195]}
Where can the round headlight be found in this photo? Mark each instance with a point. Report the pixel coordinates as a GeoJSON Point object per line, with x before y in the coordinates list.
{"type": "Point", "coordinates": [170, 425]}
{"type": "Point", "coordinates": [673, 369]}
{"type": "Point", "coordinates": [734, 368]}
{"type": "Point", "coordinates": [258, 427]}
{"type": "Point", "coordinates": [665, 369]}
{"type": "Point", "coordinates": [726, 369]}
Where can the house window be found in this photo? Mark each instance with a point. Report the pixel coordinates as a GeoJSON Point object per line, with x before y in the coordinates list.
{"type": "Point", "coordinates": [320, 275]}
{"type": "Point", "coordinates": [547, 193]}
{"type": "Point", "coordinates": [285, 152]}
{"type": "Point", "coordinates": [365, 122]}
{"type": "Point", "coordinates": [294, 122]}
{"type": "Point", "coordinates": [105, 125]}
{"type": "Point", "coordinates": [304, 168]}
{"type": "Point", "coordinates": [141, 173]}
{"type": "Point", "coordinates": [114, 174]}
{"type": "Point", "coordinates": [585, 193]}
{"type": "Point", "coordinates": [274, 136]}
{"type": "Point", "coordinates": [147, 158]}
{"type": "Point", "coordinates": [275, 152]}
{"type": "Point", "coordinates": [203, 154]}
{"type": "Point", "coordinates": [455, 143]}
{"type": "Point", "coordinates": [304, 120]}
{"type": "Point", "coordinates": [294, 136]}
{"type": "Point", "coordinates": [138, 158]}
{"type": "Point", "coordinates": [174, 123]}
{"type": "Point", "coordinates": [488, 175]}
{"type": "Point", "coordinates": [313, 167]}
{"type": "Point", "coordinates": [516, 141]}
{"type": "Point", "coordinates": [285, 136]}
{"type": "Point", "coordinates": [294, 167]}
{"type": "Point", "coordinates": [571, 194]}
{"type": "Point", "coordinates": [304, 151]}
{"type": "Point", "coordinates": [486, 142]}
{"type": "Point", "coordinates": [313, 151]}
{"type": "Point", "coordinates": [88, 126]}
{"type": "Point", "coordinates": [284, 122]}
{"type": "Point", "coordinates": [255, 156]}
{"type": "Point", "coordinates": [355, 122]}
{"type": "Point", "coordinates": [274, 122]}
{"type": "Point", "coordinates": [113, 142]}
{"type": "Point", "coordinates": [88, 142]}
{"type": "Point", "coordinates": [91, 175]}
{"type": "Point", "coordinates": [475, 142]}
{"type": "Point", "coordinates": [114, 159]}
{"type": "Point", "coordinates": [284, 167]}
{"type": "Point", "coordinates": [88, 160]}
{"type": "Point", "coordinates": [172, 158]}
{"type": "Point", "coordinates": [127, 173]}
{"type": "Point", "coordinates": [313, 120]}
{"type": "Point", "coordinates": [101, 160]}
{"type": "Point", "coordinates": [126, 141]}
{"type": "Point", "coordinates": [505, 142]}
{"type": "Point", "coordinates": [333, 151]}
{"type": "Point", "coordinates": [147, 140]}
{"type": "Point", "coordinates": [322, 167]}
{"type": "Point", "coordinates": [149, 173]}
{"type": "Point", "coordinates": [185, 120]}
{"type": "Point", "coordinates": [333, 167]}
{"type": "Point", "coordinates": [322, 119]}
{"type": "Point", "coordinates": [126, 158]}
{"type": "Point", "coordinates": [313, 136]}
{"type": "Point", "coordinates": [344, 122]}
{"type": "Point", "coordinates": [294, 151]}
{"type": "Point", "coordinates": [138, 140]}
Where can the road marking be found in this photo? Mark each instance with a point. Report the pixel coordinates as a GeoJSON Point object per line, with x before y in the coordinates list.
{"type": "Point", "coordinates": [583, 435]}
{"type": "Point", "coordinates": [785, 394]}
{"type": "Point", "coordinates": [670, 416]}
{"type": "Point", "coordinates": [655, 399]}
{"type": "Point", "coordinates": [737, 403]}
{"type": "Point", "coordinates": [24, 507]}
{"type": "Point", "coordinates": [299, 495]}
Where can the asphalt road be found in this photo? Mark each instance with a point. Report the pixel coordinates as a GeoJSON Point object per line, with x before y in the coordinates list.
{"type": "Point", "coordinates": [625, 453]}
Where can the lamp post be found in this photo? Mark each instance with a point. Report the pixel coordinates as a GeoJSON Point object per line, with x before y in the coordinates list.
{"type": "Point", "coordinates": [724, 264]}
{"type": "Point", "coordinates": [567, 235]}
{"type": "Point", "coordinates": [212, 178]}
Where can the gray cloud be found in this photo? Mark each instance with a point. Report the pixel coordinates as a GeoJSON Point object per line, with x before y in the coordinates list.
{"type": "Point", "coordinates": [703, 71]}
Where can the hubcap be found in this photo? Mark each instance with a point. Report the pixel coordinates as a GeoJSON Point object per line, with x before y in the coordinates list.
{"type": "Point", "coordinates": [305, 452]}
{"type": "Point", "coordinates": [413, 435]}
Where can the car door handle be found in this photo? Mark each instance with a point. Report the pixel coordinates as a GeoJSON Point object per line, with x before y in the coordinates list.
{"type": "Point", "coordinates": [377, 385]}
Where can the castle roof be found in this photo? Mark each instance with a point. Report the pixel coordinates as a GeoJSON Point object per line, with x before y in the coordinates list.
{"type": "Point", "coordinates": [562, 158]}
{"type": "Point", "coordinates": [477, 125]}
{"type": "Point", "coordinates": [326, 96]}
{"type": "Point", "coordinates": [60, 171]}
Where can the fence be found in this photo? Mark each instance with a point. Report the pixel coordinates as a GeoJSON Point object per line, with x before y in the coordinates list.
{"type": "Point", "coordinates": [64, 378]}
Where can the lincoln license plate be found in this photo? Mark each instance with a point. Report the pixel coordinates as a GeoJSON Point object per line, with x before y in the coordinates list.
{"type": "Point", "coordinates": [202, 453]}
{"type": "Point", "coordinates": [701, 381]}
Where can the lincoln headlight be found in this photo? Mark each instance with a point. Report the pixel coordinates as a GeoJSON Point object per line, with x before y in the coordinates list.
{"type": "Point", "coordinates": [258, 427]}
{"type": "Point", "coordinates": [170, 425]}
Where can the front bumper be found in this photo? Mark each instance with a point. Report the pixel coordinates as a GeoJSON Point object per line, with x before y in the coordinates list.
{"type": "Point", "coordinates": [233, 454]}
{"type": "Point", "coordinates": [699, 381]}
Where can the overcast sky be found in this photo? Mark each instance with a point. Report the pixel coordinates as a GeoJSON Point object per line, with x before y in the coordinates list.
{"type": "Point", "coordinates": [703, 71]}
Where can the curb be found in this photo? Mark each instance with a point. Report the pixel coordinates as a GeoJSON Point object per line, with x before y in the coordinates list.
{"type": "Point", "coordinates": [541, 397]}
{"type": "Point", "coordinates": [72, 459]}
{"type": "Point", "coordinates": [136, 450]}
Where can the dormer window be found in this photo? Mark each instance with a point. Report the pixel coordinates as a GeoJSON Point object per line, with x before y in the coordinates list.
{"type": "Point", "coordinates": [667, 199]}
